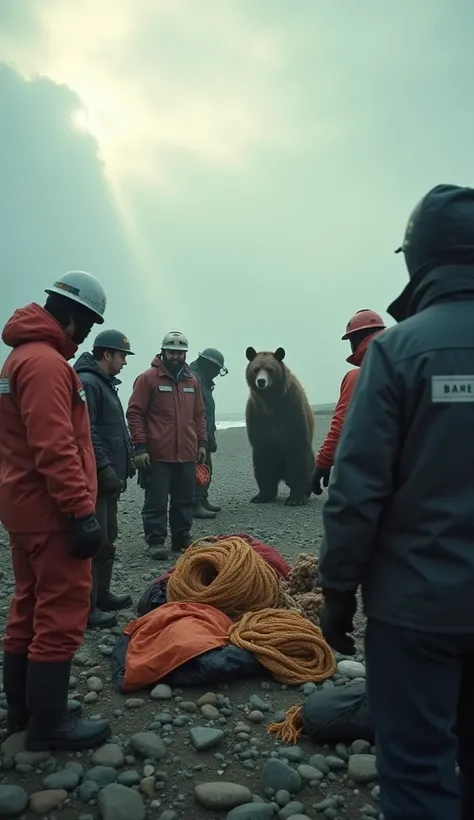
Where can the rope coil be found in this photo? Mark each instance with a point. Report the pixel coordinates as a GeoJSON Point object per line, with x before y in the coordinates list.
{"type": "Point", "coordinates": [228, 575]}
{"type": "Point", "coordinates": [203, 475]}
{"type": "Point", "coordinates": [286, 643]}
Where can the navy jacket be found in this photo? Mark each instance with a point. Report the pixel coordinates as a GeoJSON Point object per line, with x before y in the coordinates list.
{"type": "Point", "coordinates": [207, 388]}
{"type": "Point", "coordinates": [110, 435]}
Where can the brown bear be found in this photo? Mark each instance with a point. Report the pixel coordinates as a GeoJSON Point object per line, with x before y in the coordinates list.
{"type": "Point", "coordinates": [280, 428]}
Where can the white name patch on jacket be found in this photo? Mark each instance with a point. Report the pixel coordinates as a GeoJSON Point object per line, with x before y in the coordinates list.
{"type": "Point", "coordinates": [452, 389]}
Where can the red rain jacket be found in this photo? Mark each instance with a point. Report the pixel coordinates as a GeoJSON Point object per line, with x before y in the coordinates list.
{"type": "Point", "coordinates": [167, 417]}
{"type": "Point", "coordinates": [325, 455]}
{"type": "Point", "coordinates": [47, 464]}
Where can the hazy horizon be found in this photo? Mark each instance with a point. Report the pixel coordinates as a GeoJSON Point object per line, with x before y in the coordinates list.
{"type": "Point", "coordinates": [242, 174]}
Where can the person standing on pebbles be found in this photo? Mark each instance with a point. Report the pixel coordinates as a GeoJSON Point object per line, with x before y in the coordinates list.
{"type": "Point", "coordinates": [167, 423]}
{"type": "Point", "coordinates": [208, 365]}
{"type": "Point", "coordinates": [114, 460]}
{"type": "Point", "coordinates": [360, 330]}
{"type": "Point", "coordinates": [399, 521]}
{"type": "Point", "coordinates": [48, 488]}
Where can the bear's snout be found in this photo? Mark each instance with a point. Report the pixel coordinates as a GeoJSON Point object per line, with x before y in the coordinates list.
{"type": "Point", "coordinates": [262, 380]}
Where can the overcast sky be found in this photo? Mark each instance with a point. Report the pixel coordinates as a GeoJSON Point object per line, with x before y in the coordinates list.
{"type": "Point", "coordinates": [240, 170]}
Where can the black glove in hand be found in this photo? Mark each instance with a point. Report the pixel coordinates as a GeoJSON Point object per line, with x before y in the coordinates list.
{"type": "Point", "coordinates": [337, 620]}
{"type": "Point", "coordinates": [320, 473]}
{"type": "Point", "coordinates": [108, 482]}
{"type": "Point", "coordinates": [212, 444]}
{"type": "Point", "coordinates": [86, 537]}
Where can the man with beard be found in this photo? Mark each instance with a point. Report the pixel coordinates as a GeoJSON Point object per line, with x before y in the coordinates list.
{"type": "Point", "coordinates": [98, 372]}
{"type": "Point", "coordinates": [48, 488]}
{"type": "Point", "coordinates": [399, 521]}
{"type": "Point", "coordinates": [167, 423]}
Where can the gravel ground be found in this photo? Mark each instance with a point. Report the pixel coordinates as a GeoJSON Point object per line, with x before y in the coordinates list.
{"type": "Point", "coordinates": [162, 775]}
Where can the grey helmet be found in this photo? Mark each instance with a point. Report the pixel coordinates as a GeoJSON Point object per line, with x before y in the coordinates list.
{"type": "Point", "coordinates": [83, 288]}
{"type": "Point", "coordinates": [113, 340]}
{"type": "Point", "coordinates": [174, 340]}
{"type": "Point", "coordinates": [216, 357]}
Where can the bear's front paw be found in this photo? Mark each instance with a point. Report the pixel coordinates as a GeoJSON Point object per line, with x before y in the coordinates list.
{"type": "Point", "coordinates": [293, 501]}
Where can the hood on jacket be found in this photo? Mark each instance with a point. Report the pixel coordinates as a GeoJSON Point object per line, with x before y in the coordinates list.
{"type": "Point", "coordinates": [357, 357]}
{"type": "Point", "coordinates": [194, 368]}
{"type": "Point", "coordinates": [87, 364]}
{"type": "Point", "coordinates": [34, 324]}
{"type": "Point", "coordinates": [440, 233]}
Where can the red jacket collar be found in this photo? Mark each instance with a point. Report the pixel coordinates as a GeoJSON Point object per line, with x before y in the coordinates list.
{"type": "Point", "coordinates": [358, 356]}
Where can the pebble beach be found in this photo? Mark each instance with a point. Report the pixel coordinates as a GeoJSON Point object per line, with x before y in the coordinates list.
{"type": "Point", "coordinates": [194, 753]}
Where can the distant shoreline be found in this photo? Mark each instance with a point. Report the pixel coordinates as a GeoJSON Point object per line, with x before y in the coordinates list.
{"type": "Point", "coordinates": [239, 424]}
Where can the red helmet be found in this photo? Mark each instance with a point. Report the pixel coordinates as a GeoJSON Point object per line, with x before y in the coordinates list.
{"type": "Point", "coordinates": [364, 320]}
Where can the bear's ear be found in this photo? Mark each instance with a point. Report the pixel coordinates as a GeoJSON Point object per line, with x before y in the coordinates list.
{"type": "Point", "coordinates": [280, 354]}
{"type": "Point", "coordinates": [250, 353]}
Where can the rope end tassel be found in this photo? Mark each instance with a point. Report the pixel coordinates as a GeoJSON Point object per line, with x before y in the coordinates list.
{"type": "Point", "coordinates": [291, 729]}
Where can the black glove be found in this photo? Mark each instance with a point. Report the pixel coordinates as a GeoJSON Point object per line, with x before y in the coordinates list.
{"type": "Point", "coordinates": [86, 537]}
{"type": "Point", "coordinates": [212, 444]}
{"type": "Point", "coordinates": [320, 473]}
{"type": "Point", "coordinates": [337, 620]}
{"type": "Point", "coordinates": [108, 482]}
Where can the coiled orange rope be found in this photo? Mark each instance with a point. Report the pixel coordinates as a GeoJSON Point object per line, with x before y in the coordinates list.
{"type": "Point", "coordinates": [203, 475]}
{"type": "Point", "coordinates": [228, 575]}
{"type": "Point", "coordinates": [286, 643]}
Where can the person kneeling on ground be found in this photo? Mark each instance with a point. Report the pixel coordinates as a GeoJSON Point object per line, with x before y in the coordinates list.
{"type": "Point", "coordinates": [209, 364]}
{"type": "Point", "coordinates": [360, 330]}
{"type": "Point", "coordinates": [399, 520]}
{"type": "Point", "coordinates": [48, 490]}
{"type": "Point", "coordinates": [114, 460]}
{"type": "Point", "coordinates": [167, 422]}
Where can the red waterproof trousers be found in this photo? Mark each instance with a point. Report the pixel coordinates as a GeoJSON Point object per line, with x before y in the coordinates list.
{"type": "Point", "coordinates": [49, 609]}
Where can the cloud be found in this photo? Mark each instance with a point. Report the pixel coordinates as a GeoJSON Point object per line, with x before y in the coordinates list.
{"type": "Point", "coordinates": [155, 76]}
{"type": "Point", "coordinates": [254, 168]}
{"type": "Point", "coordinates": [56, 210]}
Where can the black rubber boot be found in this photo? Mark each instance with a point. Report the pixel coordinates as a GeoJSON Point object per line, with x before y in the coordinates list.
{"type": "Point", "coordinates": [202, 512]}
{"type": "Point", "coordinates": [158, 551]}
{"type": "Point", "coordinates": [108, 601]}
{"type": "Point", "coordinates": [179, 543]}
{"type": "Point", "coordinates": [97, 617]}
{"type": "Point", "coordinates": [211, 507]}
{"type": "Point", "coordinates": [101, 620]}
{"type": "Point", "coordinates": [15, 669]}
{"type": "Point", "coordinates": [51, 726]}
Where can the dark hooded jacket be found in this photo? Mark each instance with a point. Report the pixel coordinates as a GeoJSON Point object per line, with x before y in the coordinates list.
{"type": "Point", "coordinates": [400, 513]}
{"type": "Point", "coordinates": [207, 389]}
{"type": "Point", "coordinates": [110, 435]}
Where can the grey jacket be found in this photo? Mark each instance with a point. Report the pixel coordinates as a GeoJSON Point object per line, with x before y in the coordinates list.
{"type": "Point", "coordinates": [110, 436]}
{"type": "Point", "coordinates": [207, 388]}
{"type": "Point", "coordinates": [400, 512]}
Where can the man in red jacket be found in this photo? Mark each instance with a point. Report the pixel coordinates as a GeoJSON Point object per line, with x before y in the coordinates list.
{"type": "Point", "coordinates": [167, 423]}
{"type": "Point", "coordinates": [48, 488]}
{"type": "Point", "coordinates": [360, 330]}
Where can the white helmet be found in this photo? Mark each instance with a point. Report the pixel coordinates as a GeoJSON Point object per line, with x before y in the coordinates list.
{"type": "Point", "coordinates": [83, 288]}
{"type": "Point", "coordinates": [174, 340]}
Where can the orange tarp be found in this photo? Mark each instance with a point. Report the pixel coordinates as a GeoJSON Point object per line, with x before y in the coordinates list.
{"type": "Point", "coordinates": [167, 637]}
